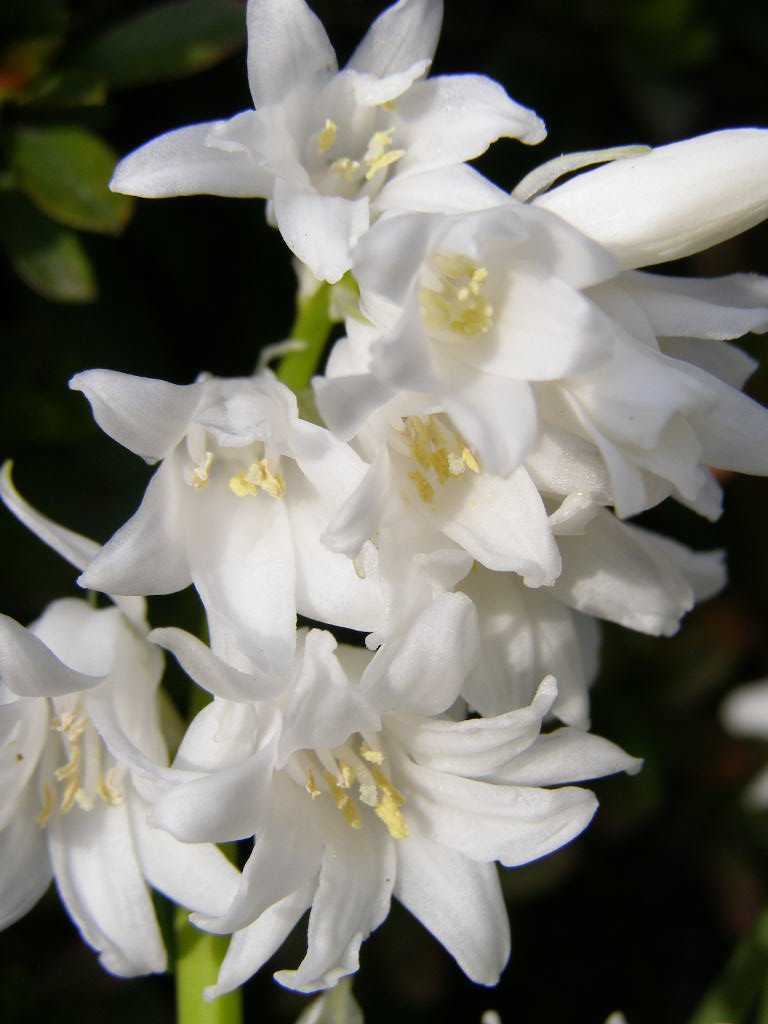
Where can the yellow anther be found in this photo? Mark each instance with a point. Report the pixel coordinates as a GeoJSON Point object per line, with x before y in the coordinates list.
{"type": "Point", "coordinates": [441, 465]}
{"type": "Point", "coordinates": [258, 477]}
{"type": "Point", "coordinates": [346, 168]}
{"type": "Point", "coordinates": [108, 790]}
{"type": "Point", "coordinates": [69, 769]}
{"type": "Point", "coordinates": [83, 801]}
{"type": "Point", "coordinates": [378, 155]}
{"type": "Point", "coordinates": [423, 486]}
{"type": "Point", "coordinates": [386, 787]}
{"type": "Point", "coordinates": [370, 755]}
{"type": "Point", "coordinates": [388, 811]}
{"type": "Point", "coordinates": [70, 793]}
{"type": "Point", "coordinates": [49, 805]}
{"type": "Point", "coordinates": [200, 474]}
{"type": "Point", "coordinates": [469, 460]}
{"type": "Point", "coordinates": [346, 774]}
{"type": "Point", "coordinates": [326, 136]}
{"type": "Point", "coordinates": [311, 785]}
{"type": "Point", "coordinates": [343, 802]}
{"type": "Point", "coordinates": [456, 302]}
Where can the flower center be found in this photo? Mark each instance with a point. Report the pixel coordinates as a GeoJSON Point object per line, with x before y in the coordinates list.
{"type": "Point", "coordinates": [379, 154]}
{"type": "Point", "coordinates": [81, 779]}
{"type": "Point", "coordinates": [439, 453]}
{"type": "Point", "coordinates": [451, 298]}
{"type": "Point", "coordinates": [257, 477]}
{"type": "Point", "coordinates": [336, 772]}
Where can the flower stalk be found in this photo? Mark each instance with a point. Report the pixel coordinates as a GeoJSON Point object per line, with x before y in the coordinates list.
{"type": "Point", "coordinates": [198, 957]}
{"type": "Point", "coordinates": [312, 326]}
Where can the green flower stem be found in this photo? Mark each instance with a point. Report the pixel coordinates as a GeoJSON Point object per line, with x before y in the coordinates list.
{"type": "Point", "coordinates": [312, 326]}
{"type": "Point", "coordinates": [732, 996]}
{"type": "Point", "coordinates": [198, 956]}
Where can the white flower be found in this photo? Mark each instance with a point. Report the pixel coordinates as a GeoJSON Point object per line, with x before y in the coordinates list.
{"type": "Point", "coordinates": [237, 506]}
{"type": "Point", "coordinates": [745, 713]}
{"type": "Point", "coordinates": [355, 791]}
{"type": "Point", "coordinates": [70, 808]}
{"type": "Point", "coordinates": [325, 146]}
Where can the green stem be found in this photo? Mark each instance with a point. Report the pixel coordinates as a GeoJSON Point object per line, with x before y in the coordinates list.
{"type": "Point", "coordinates": [312, 326]}
{"type": "Point", "coordinates": [732, 996]}
{"type": "Point", "coordinates": [198, 956]}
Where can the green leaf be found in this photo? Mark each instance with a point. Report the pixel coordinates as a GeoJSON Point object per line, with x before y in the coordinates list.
{"type": "Point", "coordinates": [64, 171]}
{"type": "Point", "coordinates": [733, 995]}
{"type": "Point", "coordinates": [72, 87]}
{"type": "Point", "coordinates": [169, 41]}
{"type": "Point", "coordinates": [48, 258]}
{"type": "Point", "coordinates": [198, 956]}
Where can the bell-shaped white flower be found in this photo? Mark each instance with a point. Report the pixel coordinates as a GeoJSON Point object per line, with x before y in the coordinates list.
{"type": "Point", "coordinates": [323, 145]}
{"type": "Point", "coordinates": [359, 781]}
{"type": "Point", "coordinates": [745, 713]}
{"type": "Point", "coordinates": [69, 806]}
{"type": "Point", "coordinates": [243, 492]}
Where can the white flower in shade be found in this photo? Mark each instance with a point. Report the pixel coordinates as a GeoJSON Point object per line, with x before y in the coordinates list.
{"type": "Point", "coordinates": [237, 506]}
{"type": "Point", "coordinates": [70, 808]}
{"type": "Point", "coordinates": [745, 713]}
{"type": "Point", "coordinates": [359, 780]}
{"type": "Point", "coordinates": [327, 147]}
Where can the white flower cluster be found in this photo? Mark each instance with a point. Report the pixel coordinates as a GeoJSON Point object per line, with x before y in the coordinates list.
{"type": "Point", "coordinates": [510, 389]}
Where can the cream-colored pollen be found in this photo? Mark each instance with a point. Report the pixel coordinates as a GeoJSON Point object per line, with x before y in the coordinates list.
{"type": "Point", "coordinates": [371, 756]}
{"type": "Point", "coordinates": [326, 136]}
{"type": "Point", "coordinates": [49, 805]}
{"type": "Point", "coordinates": [108, 790]}
{"type": "Point", "coordinates": [377, 157]}
{"type": "Point", "coordinates": [455, 301]}
{"type": "Point", "coordinates": [344, 802]}
{"type": "Point", "coordinates": [200, 474]}
{"type": "Point", "coordinates": [257, 477]}
{"type": "Point", "coordinates": [435, 448]}
{"type": "Point", "coordinates": [311, 785]}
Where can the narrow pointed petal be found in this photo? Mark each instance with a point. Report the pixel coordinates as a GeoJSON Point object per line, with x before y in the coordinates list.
{"type": "Point", "coordinates": [359, 517]}
{"type": "Point", "coordinates": [73, 547]}
{"type": "Point", "coordinates": [100, 883]}
{"type": "Point", "coordinates": [728, 363]}
{"type": "Point", "coordinates": [183, 163]}
{"type": "Point", "coordinates": [320, 230]}
{"type": "Point", "coordinates": [352, 898]}
{"type": "Point", "coordinates": [147, 416]}
{"type": "Point", "coordinates": [676, 200]}
{"type": "Point", "coordinates": [403, 34]}
{"type": "Point", "coordinates": [29, 668]}
{"type": "Point", "coordinates": [459, 901]}
{"type": "Point", "coordinates": [250, 948]}
{"type": "Point", "coordinates": [567, 753]}
{"type": "Point", "coordinates": [147, 554]}
{"type": "Point", "coordinates": [453, 118]}
{"type": "Point", "coordinates": [545, 175]}
{"type": "Point", "coordinates": [195, 875]}
{"type": "Point", "coordinates": [287, 47]}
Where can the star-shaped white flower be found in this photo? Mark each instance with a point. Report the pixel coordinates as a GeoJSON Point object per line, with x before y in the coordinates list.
{"type": "Point", "coordinates": [324, 146]}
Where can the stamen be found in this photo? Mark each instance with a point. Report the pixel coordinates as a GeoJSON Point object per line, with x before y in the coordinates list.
{"type": "Point", "coordinates": [70, 793]}
{"type": "Point", "coordinates": [456, 302]}
{"type": "Point", "coordinates": [311, 786]}
{"type": "Point", "coordinates": [49, 805]}
{"type": "Point", "coordinates": [423, 486]}
{"type": "Point", "coordinates": [326, 136]}
{"type": "Point", "coordinates": [69, 769]}
{"type": "Point", "coordinates": [200, 474]}
{"type": "Point", "coordinates": [108, 790]}
{"type": "Point", "coordinates": [378, 156]}
{"type": "Point", "coordinates": [346, 168]}
{"type": "Point", "coordinates": [343, 802]}
{"type": "Point", "coordinates": [258, 477]}
{"type": "Point", "coordinates": [371, 755]}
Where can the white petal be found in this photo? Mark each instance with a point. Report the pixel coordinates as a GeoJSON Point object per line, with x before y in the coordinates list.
{"type": "Point", "coordinates": [99, 880]}
{"type": "Point", "coordinates": [213, 674]}
{"type": "Point", "coordinates": [459, 901]}
{"type": "Point", "coordinates": [287, 47]}
{"type": "Point", "coordinates": [496, 416]}
{"type": "Point", "coordinates": [478, 746]}
{"type": "Point", "coordinates": [676, 200]}
{"type": "Point", "coordinates": [503, 524]}
{"type": "Point", "coordinates": [728, 363]}
{"type": "Point", "coordinates": [512, 824]}
{"type": "Point", "coordinates": [346, 402]}
{"type": "Point", "coordinates": [183, 163]}
{"type": "Point", "coordinates": [718, 307]}
{"type": "Point", "coordinates": [194, 875]}
{"type": "Point", "coordinates": [734, 433]}
{"type": "Point", "coordinates": [453, 118]}
{"type": "Point", "coordinates": [320, 230]}
{"type": "Point", "coordinates": [26, 869]}
{"type": "Point", "coordinates": [254, 945]}
{"type": "Point", "coordinates": [147, 554]}
{"type": "Point", "coordinates": [29, 668]}
{"type": "Point", "coordinates": [430, 663]}
{"type": "Point", "coordinates": [147, 416]}
{"type": "Point", "coordinates": [359, 517]}
{"type": "Point", "coordinates": [24, 731]}
{"type": "Point", "coordinates": [73, 547]}
{"type": "Point", "coordinates": [406, 32]}
{"type": "Point", "coordinates": [225, 805]}
{"type": "Point", "coordinates": [745, 711]}
{"type": "Point", "coordinates": [454, 189]}
{"type": "Point", "coordinates": [285, 857]}
{"type": "Point", "coordinates": [371, 90]}
{"type": "Point", "coordinates": [353, 894]}
{"type": "Point", "coordinates": [567, 754]}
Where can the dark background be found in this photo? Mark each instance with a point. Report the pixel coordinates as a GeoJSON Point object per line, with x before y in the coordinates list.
{"type": "Point", "coordinates": [642, 912]}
